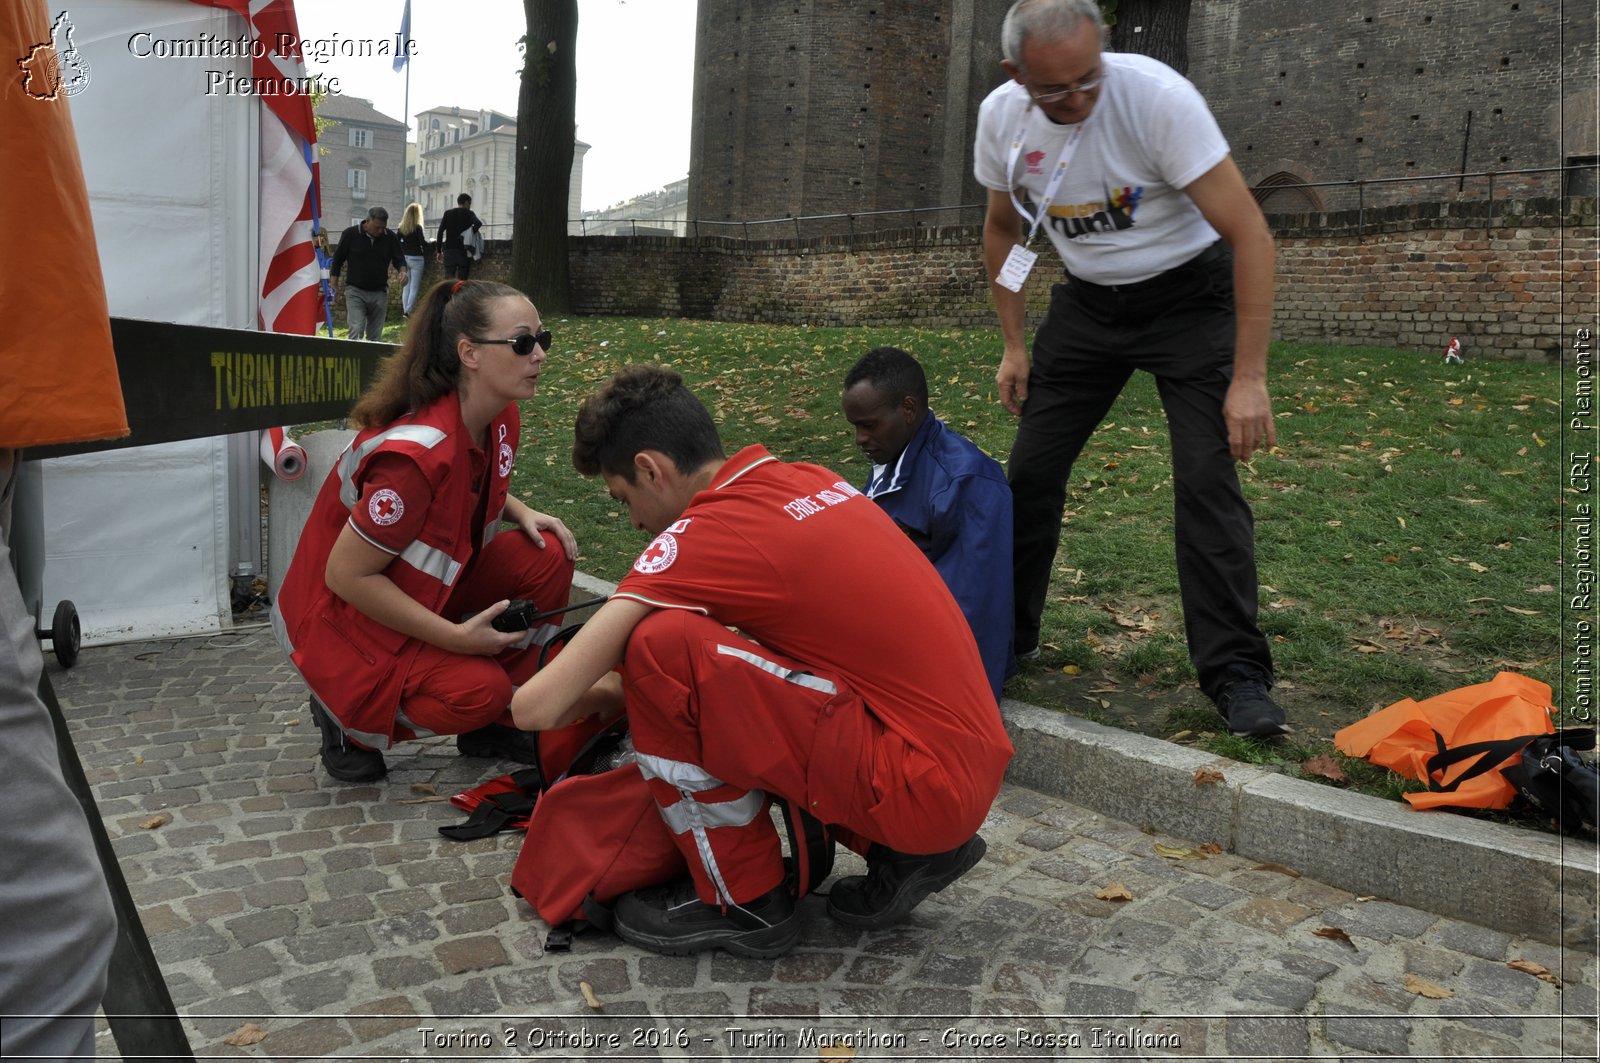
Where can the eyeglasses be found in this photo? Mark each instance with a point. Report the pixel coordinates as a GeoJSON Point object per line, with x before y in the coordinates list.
{"type": "Point", "coordinates": [522, 344]}
{"type": "Point", "coordinates": [1061, 94]}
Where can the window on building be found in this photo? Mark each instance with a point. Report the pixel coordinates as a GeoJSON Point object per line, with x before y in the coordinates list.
{"type": "Point", "coordinates": [361, 138]}
{"type": "Point", "coordinates": [1583, 175]}
{"type": "Point", "coordinates": [356, 181]}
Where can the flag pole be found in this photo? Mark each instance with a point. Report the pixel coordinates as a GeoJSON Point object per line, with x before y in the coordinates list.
{"type": "Point", "coordinates": [403, 58]}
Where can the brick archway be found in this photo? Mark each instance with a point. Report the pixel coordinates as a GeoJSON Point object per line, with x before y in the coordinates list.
{"type": "Point", "coordinates": [1279, 194]}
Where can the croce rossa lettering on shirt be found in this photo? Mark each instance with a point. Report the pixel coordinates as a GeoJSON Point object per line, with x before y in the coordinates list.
{"type": "Point", "coordinates": [810, 505]}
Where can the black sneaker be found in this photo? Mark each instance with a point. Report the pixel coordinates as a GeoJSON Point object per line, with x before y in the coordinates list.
{"type": "Point", "coordinates": [895, 883]}
{"type": "Point", "coordinates": [342, 758]}
{"type": "Point", "coordinates": [498, 740]}
{"type": "Point", "coordinates": [1250, 710]}
{"type": "Point", "coordinates": [672, 919]}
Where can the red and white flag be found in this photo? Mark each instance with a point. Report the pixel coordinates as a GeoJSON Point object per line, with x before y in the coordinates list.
{"type": "Point", "coordinates": [289, 209]}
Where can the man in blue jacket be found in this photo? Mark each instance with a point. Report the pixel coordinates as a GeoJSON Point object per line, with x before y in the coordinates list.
{"type": "Point", "coordinates": [950, 497]}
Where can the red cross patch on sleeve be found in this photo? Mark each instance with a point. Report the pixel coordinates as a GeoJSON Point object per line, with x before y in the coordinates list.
{"type": "Point", "coordinates": [659, 555]}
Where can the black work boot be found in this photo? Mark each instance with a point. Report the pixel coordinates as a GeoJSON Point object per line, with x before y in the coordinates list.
{"type": "Point", "coordinates": [672, 919]}
{"type": "Point", "coordinates": [498, 740]}
{"type": "Point", "coordinates": [342, 758]}
{"type": "Point", "coordinates": [895, 883]}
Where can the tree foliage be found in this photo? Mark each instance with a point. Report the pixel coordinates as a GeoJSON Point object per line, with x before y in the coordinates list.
{"type": "Point", "coordinates": [545, 137]}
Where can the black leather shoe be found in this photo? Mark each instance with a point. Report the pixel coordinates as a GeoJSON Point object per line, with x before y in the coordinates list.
{"type": "Point", "coordinates": [498, 740]}
{"type": "Point", "coordinates": [672, 919]}
{"type": "Point", "coordinates": [342, 758]}
{"type": "Point", "coordinates": [1250, 710]}
{"type": "Point", "coordinates": [895, 883]}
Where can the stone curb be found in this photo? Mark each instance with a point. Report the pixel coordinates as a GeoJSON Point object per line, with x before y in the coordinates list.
{"type": "Point", "coordinates": [1492, 874]}
{"type": "Point", "coordinates": [1495, 875]}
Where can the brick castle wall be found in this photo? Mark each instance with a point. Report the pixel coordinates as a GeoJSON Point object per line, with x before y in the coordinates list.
{"type": "Point", "coordinates": [1408, 276]}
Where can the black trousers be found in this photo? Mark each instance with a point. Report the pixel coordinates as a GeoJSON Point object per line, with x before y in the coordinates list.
{"type": "Point", "coordinates": [457, 263]}
{"type": "Point", "coordinates": [1178, 326]}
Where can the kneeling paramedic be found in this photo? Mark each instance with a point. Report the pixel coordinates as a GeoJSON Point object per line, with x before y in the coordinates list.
{"type": "Point", "coordinates": [853, 687]}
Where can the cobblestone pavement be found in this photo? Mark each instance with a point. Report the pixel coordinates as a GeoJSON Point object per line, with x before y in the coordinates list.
{"type": "Point", "coordinates": [339, 921]}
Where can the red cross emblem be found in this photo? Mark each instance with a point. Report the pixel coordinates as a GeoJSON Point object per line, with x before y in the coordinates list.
{"type": "Point", "coordinates": [659, 555]}
{"type": "Point", "coordinates": [385, 506]}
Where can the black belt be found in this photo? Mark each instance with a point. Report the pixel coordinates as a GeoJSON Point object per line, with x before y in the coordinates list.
{"type": "Point", "coordinates": [1162, 280]}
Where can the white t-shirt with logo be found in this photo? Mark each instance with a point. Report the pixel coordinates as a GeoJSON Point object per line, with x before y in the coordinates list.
{"type": "Point", "coordinates": [1120, 215]}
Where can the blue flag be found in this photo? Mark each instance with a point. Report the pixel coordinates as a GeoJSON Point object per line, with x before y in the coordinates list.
{"type": "Point", "coordinates": [402, 40]}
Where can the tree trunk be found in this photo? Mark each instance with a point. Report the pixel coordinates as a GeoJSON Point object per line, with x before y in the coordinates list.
{"type": "Point", "coordinates": [545, 135]}
{"type": "Point", "coordinates": [1157, 28]}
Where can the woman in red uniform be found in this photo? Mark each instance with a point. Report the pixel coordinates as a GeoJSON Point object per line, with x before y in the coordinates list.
{"type": "Point", "coordinates": [387, 606]}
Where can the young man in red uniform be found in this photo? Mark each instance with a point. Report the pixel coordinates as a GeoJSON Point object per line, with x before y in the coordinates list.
{"type": "Point", "coordinates": [853, 687]}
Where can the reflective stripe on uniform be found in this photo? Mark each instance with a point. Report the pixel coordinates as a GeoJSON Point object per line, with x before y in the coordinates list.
{"type": "Point", "coordinates": [792, 675]}
{"type": "Point", "coordinates": [431, 561]}
{"type": "Point", "coordinates": [351, 459]}
{"type": "Point", "coordinates": [688, 816]}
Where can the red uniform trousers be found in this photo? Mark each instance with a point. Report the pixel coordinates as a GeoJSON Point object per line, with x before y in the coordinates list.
{"type": "Point", "coordinates": [720, 722]}
{"type": "Point", "coordinates": [451, 693]}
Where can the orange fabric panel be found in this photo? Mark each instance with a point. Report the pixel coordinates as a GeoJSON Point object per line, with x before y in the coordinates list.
{"type": "Point", "coordinates": [1400, 737]}
{"type": "Point", "coordinates": [58, 375]}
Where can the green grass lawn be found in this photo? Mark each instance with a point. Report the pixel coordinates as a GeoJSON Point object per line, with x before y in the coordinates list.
{"type": "Point", "coordinates": [1407, 524]}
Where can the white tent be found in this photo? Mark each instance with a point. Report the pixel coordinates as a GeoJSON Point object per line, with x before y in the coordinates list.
{"type": "Point", "coordinates": [145, 540]}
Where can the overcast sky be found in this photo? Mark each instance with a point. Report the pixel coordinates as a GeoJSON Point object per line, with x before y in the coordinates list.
{"type": "Point", "coordinates": [635, 75]}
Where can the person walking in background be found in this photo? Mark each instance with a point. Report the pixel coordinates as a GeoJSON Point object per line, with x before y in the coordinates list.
{"type": "Point", "coordinates": [1169, 269]}
{"type": "Point", "coordinates": [370, 249]}
{"type": "Point", "coordinates": [950, 497]}
{"type": "Point", "coordinates": [402, 544]}
{"type": "Point", "coordinates": [414, 246]}
{"type": "Point", "coordinates": [452, 227]}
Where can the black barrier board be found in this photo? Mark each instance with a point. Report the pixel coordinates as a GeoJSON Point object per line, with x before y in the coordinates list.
{"type": "Point", "coordinates": [192, 381]}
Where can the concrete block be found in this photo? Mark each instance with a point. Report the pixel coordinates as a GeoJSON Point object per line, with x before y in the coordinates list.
{"type": "Point", "coordinates": [289, 501]}
{"type": "Point", "coordinates": [1496, 875]}
{"type": "Point", "coordinates": [1135, 778]}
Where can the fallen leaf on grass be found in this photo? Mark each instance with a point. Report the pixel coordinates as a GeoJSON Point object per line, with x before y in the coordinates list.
{"type": "Point", "coordinates": [153, 822]}
{"type": "Point", "coordinates": [1180, 736]}
{"type": "Point", "coordinates": [1424, 988]}
{"type": "Point", "coordinates": [248, 1034]}
{"type": "Point", "coordinates": [1207, 776]}
{"type": "Point", "coordinates": [1175, 852]}
{"type": "Point", "coordinates": [1333, 933]}
{"type": "Point", "coordinates": [1537, 970]}
{"type": "Point", "coordinates": [1521, 612]}
{"type": "Point", "coordinates": [1116, 891]}
{"type": "Point", "coordinates": [1326, 767]}
{"type": "Point", "coordinates": [1279, 868]}
{"type": "Point", "coordinates": [588, 996]}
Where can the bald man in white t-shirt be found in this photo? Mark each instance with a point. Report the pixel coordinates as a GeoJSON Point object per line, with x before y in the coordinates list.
{"type": "Point", "coordinates": [1117, 159]}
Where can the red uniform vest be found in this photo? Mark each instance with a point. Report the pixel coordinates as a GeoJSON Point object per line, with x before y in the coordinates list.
{"type": "Point", "coordinates": [353, 664]}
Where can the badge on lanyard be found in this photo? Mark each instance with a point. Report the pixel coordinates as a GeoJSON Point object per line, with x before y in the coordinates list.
{"type": "Point", "coordinates": [1019, 263]}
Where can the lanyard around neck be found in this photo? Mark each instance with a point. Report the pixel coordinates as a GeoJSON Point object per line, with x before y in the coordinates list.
{"type": "Point", "coordinates": [1063, 160]}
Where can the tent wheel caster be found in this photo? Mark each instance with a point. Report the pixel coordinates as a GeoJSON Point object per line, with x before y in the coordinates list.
{"type": "Point", "coordinates": [65, 634]}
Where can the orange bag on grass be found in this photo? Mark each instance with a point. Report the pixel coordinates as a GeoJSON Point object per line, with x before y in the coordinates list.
{"type": "Point", "coordinates": [1406, 735]}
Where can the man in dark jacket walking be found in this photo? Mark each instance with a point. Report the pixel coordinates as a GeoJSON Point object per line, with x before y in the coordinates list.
{"type": "Point", "coordinates": [370, 248]}
{"type": "Point", "coordinates": [452, 227]}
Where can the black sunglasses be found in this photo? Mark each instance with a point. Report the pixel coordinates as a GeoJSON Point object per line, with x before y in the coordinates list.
{"type": "Point", "coordinates": [522, 344]}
